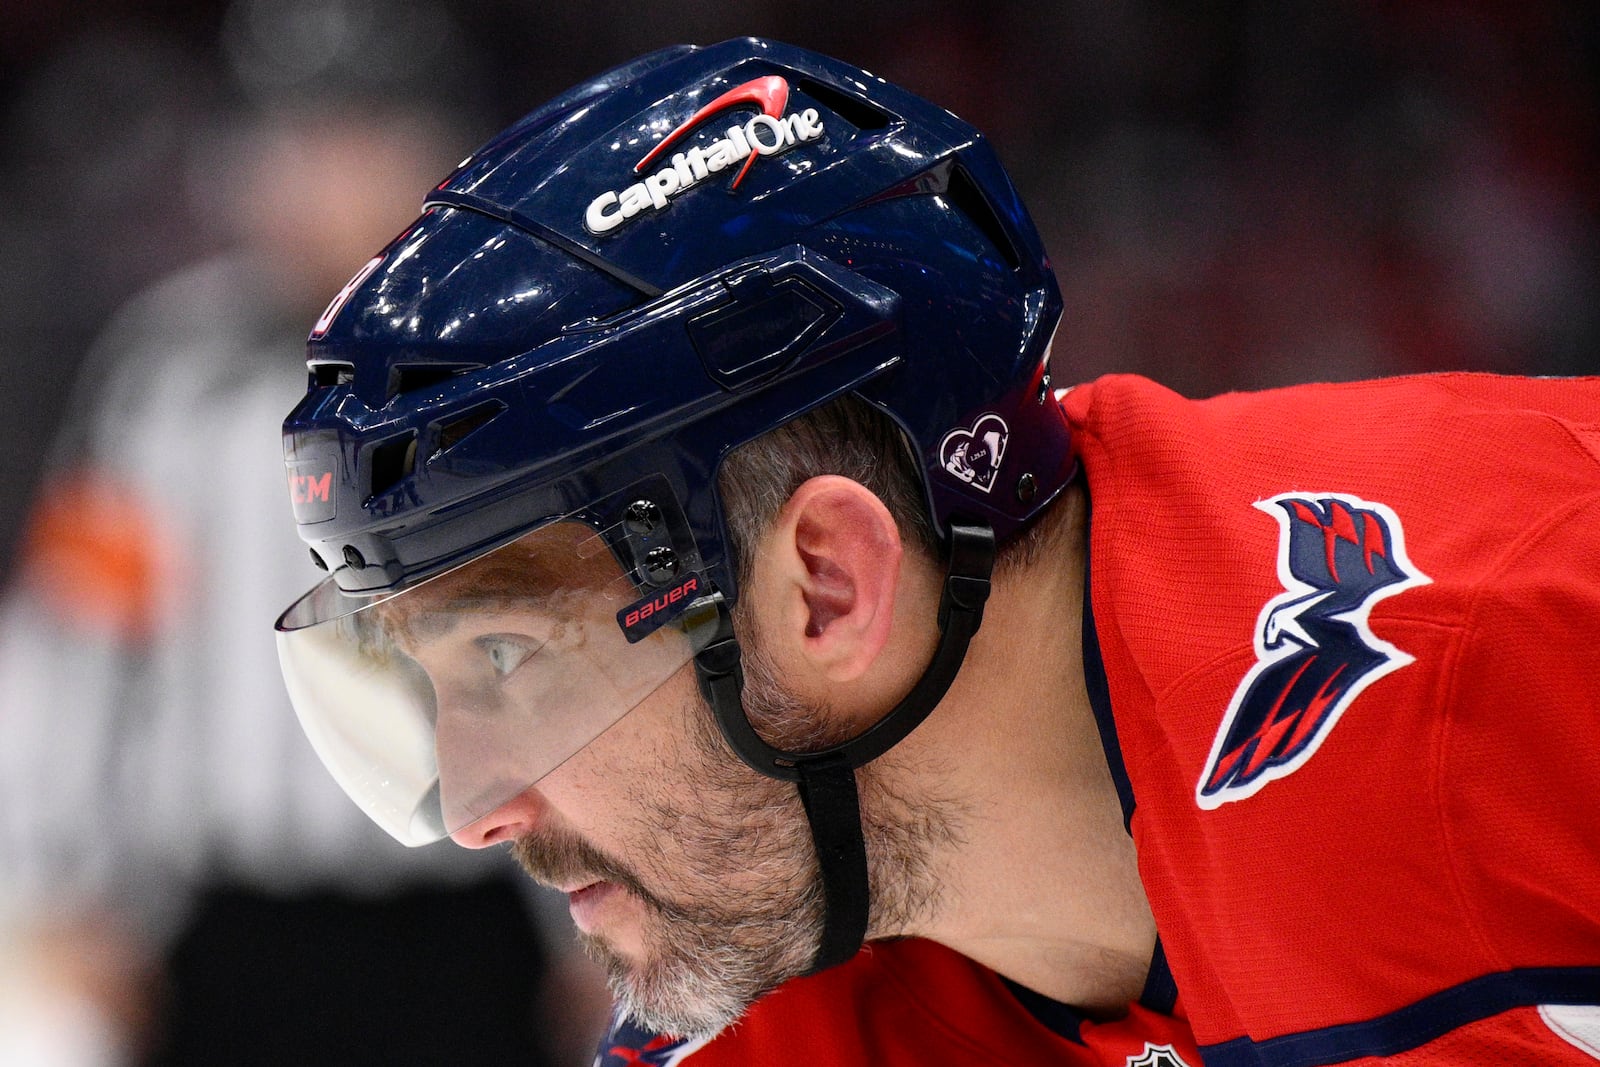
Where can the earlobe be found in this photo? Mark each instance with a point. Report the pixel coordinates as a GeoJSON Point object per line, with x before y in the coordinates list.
{"type": "Point", "coordinates": [845, 571]}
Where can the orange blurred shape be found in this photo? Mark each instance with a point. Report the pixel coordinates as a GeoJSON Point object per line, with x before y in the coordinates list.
{"type": "Point", "coordinates": [95, 550]}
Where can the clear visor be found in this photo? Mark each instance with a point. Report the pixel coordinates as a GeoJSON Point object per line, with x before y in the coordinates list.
{"type": "Point", "coordinates": [434, 706]}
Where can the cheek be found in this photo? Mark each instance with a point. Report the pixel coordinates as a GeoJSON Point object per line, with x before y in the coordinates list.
{"type": "Point", "coordinates": [662, 792]}
{"type": "Point", "coordinates": [635, 768]}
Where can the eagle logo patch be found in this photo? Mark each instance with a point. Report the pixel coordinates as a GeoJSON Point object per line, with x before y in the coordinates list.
{"type": "Point", "coordinates": [1338, 555]}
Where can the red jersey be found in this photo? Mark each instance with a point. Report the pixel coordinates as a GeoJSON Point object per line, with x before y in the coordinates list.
{"type": "Point", "coordinates": [914, 1003]}
{"type": "Point", "coordinates": [1349, 673]}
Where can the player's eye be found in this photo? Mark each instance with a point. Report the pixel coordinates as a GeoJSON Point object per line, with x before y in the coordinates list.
{"type": "Point", "coordinates": [506, 653]}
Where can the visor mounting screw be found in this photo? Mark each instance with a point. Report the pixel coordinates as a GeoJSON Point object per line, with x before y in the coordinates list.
{"type": "Point", "coordinates": [321, 563]}
{"type": "Point", "coordinates": [353, 558]}
{"type": "Point", "coordinates": [642, 517]}
{"type": "Point", "coordinates": [1027, 488]}
{"type": "Point", "coordinates": [660, 564]}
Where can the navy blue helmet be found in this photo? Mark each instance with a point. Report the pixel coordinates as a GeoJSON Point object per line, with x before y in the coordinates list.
{"type": "Point", "coordinates": [650, 270]}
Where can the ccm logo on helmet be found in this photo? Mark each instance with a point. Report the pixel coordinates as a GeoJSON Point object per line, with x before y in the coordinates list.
{"type": "Point", "coordinates": [306, 489]}
{"type": "Point", "coordinates": [311, 494]}
{"type": "Point", "coordinates": [766, 134]}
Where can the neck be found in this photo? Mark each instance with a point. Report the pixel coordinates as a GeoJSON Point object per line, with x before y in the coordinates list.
{"type": "Point", "coordinates": [1039, 882]}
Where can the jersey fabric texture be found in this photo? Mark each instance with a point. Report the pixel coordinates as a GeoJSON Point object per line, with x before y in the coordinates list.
{"type": "Point", "coordinates": [914, 1003]}
{"type": "Point", "coordinates": [1349, 676]}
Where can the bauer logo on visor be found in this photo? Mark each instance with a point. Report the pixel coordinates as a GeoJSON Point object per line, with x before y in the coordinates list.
{"type": "Point", "coordinates": [767, 134]}
{"type": "Point", "coordinates": [641, 619]}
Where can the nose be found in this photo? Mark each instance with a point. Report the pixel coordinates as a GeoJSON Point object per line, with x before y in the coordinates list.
{"type": "Point", "coordinates": [508, 822]}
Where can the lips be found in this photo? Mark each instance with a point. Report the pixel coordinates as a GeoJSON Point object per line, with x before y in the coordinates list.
{"type": "Point", "coordinates": [585, 904]}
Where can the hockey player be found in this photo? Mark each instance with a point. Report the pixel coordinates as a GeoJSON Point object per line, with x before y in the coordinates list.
{"type": "Point", "coordinates": [702, 522]}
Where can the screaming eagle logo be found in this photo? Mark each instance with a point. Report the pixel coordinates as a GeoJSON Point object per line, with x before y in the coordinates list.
{"type": "Point", "coordinates": [767, 134]}
{"type": "Point", "coordinates": [1337, 557]}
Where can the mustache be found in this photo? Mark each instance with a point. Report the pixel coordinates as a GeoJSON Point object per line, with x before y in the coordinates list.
{"type": "Point", "coordinates": [559, 857]}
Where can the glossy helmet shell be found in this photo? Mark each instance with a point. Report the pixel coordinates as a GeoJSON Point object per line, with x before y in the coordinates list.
{"type": "Point", "coordinates": [529, 346]}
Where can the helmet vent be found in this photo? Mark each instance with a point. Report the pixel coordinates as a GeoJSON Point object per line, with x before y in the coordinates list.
{"type": "Point", "coordinates": [452, 433]}
{"type": "Point", "coordinates": [744, 342]}
{"type": "Point", "coordinates": [409, 377]}
{"type": "Point", "coordinates": [326, 374]}
{"type": "Point", "coordinates": [966, 197]}
{"type": "Point", "coordinates": [391, 461]}
{"type": "Point", "coordinates": [858, 113]}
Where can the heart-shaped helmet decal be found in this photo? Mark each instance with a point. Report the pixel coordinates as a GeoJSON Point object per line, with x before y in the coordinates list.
{"type": "Point", "coordinates": [973, 456]}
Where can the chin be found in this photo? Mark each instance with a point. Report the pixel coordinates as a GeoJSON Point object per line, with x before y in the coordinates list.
{"type": "Point", "coordinates": [683, 995]}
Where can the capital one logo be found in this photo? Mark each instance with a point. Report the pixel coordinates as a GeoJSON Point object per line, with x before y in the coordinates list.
{"type": "Point", "coordinates": [767, 134]}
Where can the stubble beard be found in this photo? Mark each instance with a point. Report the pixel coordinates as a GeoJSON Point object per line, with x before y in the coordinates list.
{"type": "Point", "coordinates": [703, 962]}
{"type": "Point", "coordinates": [754, 919]}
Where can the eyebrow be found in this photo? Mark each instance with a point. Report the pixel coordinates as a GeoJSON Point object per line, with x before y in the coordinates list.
{"type": "Point", "coordinates": [517, 583]}
{"type": "Point", "coordinates": [426, 623]}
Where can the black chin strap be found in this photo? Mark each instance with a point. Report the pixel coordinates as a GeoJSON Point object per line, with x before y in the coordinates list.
{"type": "Point", "coordinates": [826, 779]}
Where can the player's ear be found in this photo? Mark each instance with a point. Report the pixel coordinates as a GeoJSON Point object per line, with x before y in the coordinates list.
{"type": "Point", "coordinates": [829, 568]}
